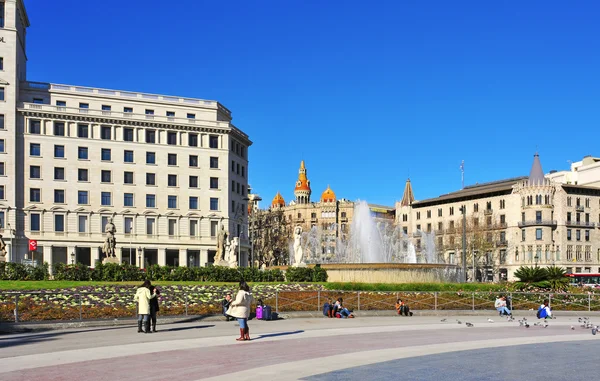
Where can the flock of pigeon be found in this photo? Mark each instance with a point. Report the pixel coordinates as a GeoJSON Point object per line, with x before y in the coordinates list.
{"type": "Point", "coordinates": [584, 323]}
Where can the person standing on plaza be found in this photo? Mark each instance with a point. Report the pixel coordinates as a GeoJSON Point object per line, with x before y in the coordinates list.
{"type": "Point", "coordinates": [142, 297]}
{"type": "Point", "coordinates": [154, 308]}
{"type": "Point", "coordinates": [240, 309]}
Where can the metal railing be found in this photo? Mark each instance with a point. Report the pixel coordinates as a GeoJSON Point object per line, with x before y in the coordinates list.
{"type": "Point", "coordinates": [73, 306]}
{"type": "Point", "coordinates": [537, 223]}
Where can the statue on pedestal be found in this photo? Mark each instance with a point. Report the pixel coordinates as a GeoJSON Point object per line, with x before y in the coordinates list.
{"type": "Point", "coordinates": [110, 243]}
{"type": "Point", "coordinates": [232, 251]}
{"type": "Point", "coordinates": [2, 249]}
{"type": "Point", "coordinates": [221, 245]}
{"type": "Point", "coordinates": [298, 251]}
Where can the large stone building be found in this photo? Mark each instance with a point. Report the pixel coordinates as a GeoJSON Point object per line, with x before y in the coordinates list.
{"type": "Point", "coordinates": [327, 219]}
{"type": "Point", "coordinates": [533, 220]}
{"type": "Point", "coordinates": [168, 170]}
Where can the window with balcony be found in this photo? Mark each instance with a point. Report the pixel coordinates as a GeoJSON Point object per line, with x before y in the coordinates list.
{"type": "Point", "coordinates": [59, 151]}
{"type": "Point", "coordinates": [59, 196]}
{"type": "Point", "coordinates": [128, 156]}
{"type": "Point", "coordinates": [61, 103]}
{"type": "Point", "coordinates": [59, 173]}
{"type": "Point", "coordinates": [172, 159]}
{"type": "Point", "coordinates": [105, 154]}
{"type": "Point", "coordinates": [82, 198]}
{"type": "Point", "coordinates": [106, 133]}
{"type": "Point", "coordinates": [193, 202]}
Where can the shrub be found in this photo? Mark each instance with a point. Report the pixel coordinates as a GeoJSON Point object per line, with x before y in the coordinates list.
{"type": "Point", "coordinates": [299, 274]}
{"type": "Point", "coordinates": [77, 271]}
{"type": "Point", "coordinates": [552, 277]}
{"type": "Point", "coordinates": [18, 271]}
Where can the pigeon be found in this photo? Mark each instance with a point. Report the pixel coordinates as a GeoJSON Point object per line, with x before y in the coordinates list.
{"type": "Point", "coordinates": [526, 325]}
{"type": "Point", "coordinates": [537, 323]}
{"type": "Point", "coordinates": [443, 320]}
{"type": "Point", "coordinates": [579, 320]}
{"type": "Point", "coordinates": [469, 324]}
{"type": "Point", "coordinates": [521, 323]}
{"type": "Point", "coordinates": [459, 322]}
{"type": "Point", "coordinates": [545, 324]}
{"type": "Point", "coordinates": [572, 328]}
{"type": "Point", "coordinates": [594, 331]}
{"type": "Point", "coordinates": [490, 320]}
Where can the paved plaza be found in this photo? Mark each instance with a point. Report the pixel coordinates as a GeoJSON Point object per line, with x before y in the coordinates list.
{"type": "Point", "coordinates": [417, 348]}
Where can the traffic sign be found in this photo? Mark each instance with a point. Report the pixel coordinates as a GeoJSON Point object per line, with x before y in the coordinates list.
{"type": "Point", "coordinates": [32, 245]}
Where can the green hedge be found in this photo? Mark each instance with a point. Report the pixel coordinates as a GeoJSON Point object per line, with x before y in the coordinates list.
{"type": "Point", "coordinates": [18, 271]}
{"type": "Point", "coordinates": [112, 272]}
{"type": "Point", "coordinates": [306, 274]}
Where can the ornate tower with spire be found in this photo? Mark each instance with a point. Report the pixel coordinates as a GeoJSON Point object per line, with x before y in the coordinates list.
{"type": "Point", "coordinates": [404, 208]}
{"type": "Point", "coordinates": [408, 197]}
{"type": "Point", "coordinates": [302, 190]}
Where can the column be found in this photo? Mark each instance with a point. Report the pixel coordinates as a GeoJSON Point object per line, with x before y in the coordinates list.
{"type": "Point", "coordinates": [162, 256]}
{"type": "Point", "coordinates": [183, 261]}
{"type": "Point", "coordinates": [203, 257]}
{"type": "Point", "coordinates": [47, 255]}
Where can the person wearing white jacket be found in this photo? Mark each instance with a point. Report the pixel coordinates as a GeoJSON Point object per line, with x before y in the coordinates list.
{"type": "Point", "coordinates": [240, 309]}
{"type": "Point", "coordinates": [142, 297]}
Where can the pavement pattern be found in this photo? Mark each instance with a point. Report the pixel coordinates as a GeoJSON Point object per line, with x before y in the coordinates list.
{"type": "Point", "coordinates": [366, 348]}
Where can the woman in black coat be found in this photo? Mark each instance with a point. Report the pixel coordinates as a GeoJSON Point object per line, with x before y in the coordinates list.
{"type": "Point", "coordinates": [154, 307]}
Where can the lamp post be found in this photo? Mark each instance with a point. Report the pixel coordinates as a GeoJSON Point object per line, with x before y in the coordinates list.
{"type": "Point", "coordinates": [536, 258]}
{"type": "Point", "coordinates": [72, 257]}
{"type": "Point", "coordinates": [463, 209]}
{"type": "Point", "coordinates": [10, 230]}
{"type": "Point", "coordinates": [139, 256]}
{"type": "Point", "coordinates": [191, 264]}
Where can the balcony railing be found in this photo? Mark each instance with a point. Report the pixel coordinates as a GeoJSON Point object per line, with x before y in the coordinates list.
{"type": "Point", "coordinates": [537, 223]}
{"type": "Point", "coordinates": [488, 212]}
{"type": "Point", "coordinates": [581, 224]}
{"type": "Point", "coordinates": [579, 208]}
{"type": "Point", "coordinates": [502, 243]}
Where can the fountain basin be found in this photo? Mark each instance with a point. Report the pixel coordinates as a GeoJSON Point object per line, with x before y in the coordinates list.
{"type": "Point", "coordinates": [390, 272]}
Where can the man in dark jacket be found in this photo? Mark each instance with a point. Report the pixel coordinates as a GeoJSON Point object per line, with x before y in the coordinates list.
{"type": "Point", "coordinates": [225, 303]}
{"type": "Point", "coordinates": [154, 307]}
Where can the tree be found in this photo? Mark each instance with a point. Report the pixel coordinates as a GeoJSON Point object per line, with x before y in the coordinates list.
{"type": "Point", "coordinates": [269, 232]}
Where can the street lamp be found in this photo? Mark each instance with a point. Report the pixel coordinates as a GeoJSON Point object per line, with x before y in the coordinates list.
{"type": "Point", "coordinates": [139, 256]}
{"type": "Point", "coordinates": [72, 257]}
{"type": "Point", "coordinates": [191, 261]}
{"type": "Point", "coordinates": [536, 258]}
{"type": "Point", "coordinates": [463, 210]}
{"type": "Point", "coordinates": [12, 232]}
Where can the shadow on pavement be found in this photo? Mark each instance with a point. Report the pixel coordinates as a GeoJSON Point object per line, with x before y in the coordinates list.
{"type": "Point", "coordinates": [186, 328]}
{"type": "Point", "coordinates": [277, 334]}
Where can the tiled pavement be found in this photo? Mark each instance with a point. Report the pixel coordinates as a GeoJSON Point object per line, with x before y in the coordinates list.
{"type": "Point", "coordinates": [280, 350]}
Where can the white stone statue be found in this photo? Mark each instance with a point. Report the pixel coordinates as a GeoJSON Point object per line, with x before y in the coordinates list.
{"type": "Point", "coordinates": [2, 249]}
{"type": "Point", "coordinates": [232, 252]}
{"type": "Point", "coordinates": [221, 245]}
{"type": "Point", "coordinates": [110, 243]}
{"type": "Point", "coordinates": [298, 246]}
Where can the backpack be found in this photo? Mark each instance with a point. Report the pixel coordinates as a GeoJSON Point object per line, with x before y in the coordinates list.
{"type": "Point", "coordinates": [539, 312]}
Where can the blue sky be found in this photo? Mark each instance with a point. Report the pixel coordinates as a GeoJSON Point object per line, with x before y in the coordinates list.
{"type": "Point", "coordinates": [366, 93]}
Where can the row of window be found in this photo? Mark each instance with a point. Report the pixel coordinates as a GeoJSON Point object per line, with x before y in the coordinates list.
{"type": "Point", "coordinates": [126, 109]}
{"type": "Point", "coordinates": [106, 199]}
{"type": "Point", "coordinates": [106, 133]}
{"type": "Point", "coordinates": [83, 225]}
{"type": "Point", "coordinates": [440, 213]}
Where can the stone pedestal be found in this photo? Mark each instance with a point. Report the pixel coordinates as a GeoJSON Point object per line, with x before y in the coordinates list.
{"type": "Point", "coordinates": [110, 260]}
{"type": "Point", "coordinates": [224, 263]}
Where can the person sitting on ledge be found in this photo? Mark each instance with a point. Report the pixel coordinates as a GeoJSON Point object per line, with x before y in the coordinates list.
{"type": "Point", "coordinates": [328, 309]}
{"type": "Point", "coordinates": [343, 311]}
{"type": "Point", "coordinates": [500, 305]}
{"type": "Point", "coordinates": [402, 308]}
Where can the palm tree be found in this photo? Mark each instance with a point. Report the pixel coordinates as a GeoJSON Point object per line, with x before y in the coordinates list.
{"type": "Point", "coordinates": [556, 277]}
{"type": "Point", "coordinates": [532, 276]}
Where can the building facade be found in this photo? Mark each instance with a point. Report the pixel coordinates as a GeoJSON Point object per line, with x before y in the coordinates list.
{"type": "Point", "coordinates": [167, 170]}
{"type": "Point", "coordinates": [327, 219]}
{"type": "Point", "coordinates": [531, 221]}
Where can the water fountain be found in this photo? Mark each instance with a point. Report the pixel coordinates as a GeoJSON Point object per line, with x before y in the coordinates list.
{"type": "Point", "coordinates": [375, 251]}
